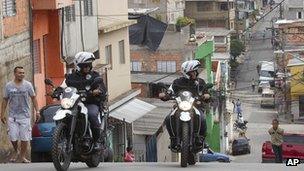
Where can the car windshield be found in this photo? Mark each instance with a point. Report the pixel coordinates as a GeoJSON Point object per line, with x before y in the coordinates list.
{"type": "Point", "coordinates": [267, 73]}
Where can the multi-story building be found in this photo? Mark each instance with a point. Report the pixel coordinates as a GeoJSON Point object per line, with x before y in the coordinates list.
{"type": "Point", "coordinates": [115, 59]}
{"type": "Point", "coordinates": [168, 10]}
{"type": "Point", "coordinates": [293, 9]}
{"type": "Point", "coordinates": [211, 13]}
{"type": "Point", "coordinates": [46, 23]}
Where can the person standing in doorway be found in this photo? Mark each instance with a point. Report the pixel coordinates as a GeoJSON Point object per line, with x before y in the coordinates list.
{"type": "Point", "coordinates": [17, 95]}
{"type": "Point", "coordinates": [276, 134]}
{"type": "Point", "coordinates": [253, 84]}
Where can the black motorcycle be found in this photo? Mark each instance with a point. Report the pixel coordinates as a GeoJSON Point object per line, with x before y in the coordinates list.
{"type": "Point", "coordinates": [240, 125]}
{"type": "Point", "coordinates": [72, 138]}
{"type": "Point", "coordinates": [186, 119]}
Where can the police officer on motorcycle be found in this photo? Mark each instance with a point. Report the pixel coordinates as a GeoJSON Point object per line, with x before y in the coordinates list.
{"type": "Point", "coordinates": [192, 83]}
{"type": "Point", "coordinates": [83, 77]}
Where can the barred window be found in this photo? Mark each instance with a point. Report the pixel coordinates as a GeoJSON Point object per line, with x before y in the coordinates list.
{"type": "Point", "coordinates": [70, 13]}
{"type": "Point", "coordinates": [88, 8]}
{"type": "Point", "coordinates": [9, 8]}
{"type": "Point", "coordinates": [136, 65]}
{"type": "Point", "coordinates": [37, 56]}
{"type": "Point", "coordinates": [166, 66]}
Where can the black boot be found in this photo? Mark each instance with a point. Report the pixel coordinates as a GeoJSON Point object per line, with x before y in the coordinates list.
{"type": "Point", "coordinates": [96, 139]}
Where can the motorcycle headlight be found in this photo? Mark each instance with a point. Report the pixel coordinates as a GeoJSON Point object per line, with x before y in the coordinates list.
{"type": "Point", "coordinates": [67, 103]}
{"type": "Point", "coordinates": [185, 105]}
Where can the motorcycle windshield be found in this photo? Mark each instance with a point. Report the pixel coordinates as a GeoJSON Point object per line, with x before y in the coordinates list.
{"type": "Point", "coordinates": [185, 95]}
{"type": "Point", "coordinates": [68, 92]}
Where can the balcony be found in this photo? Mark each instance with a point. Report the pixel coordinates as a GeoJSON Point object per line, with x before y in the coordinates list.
{"type": "Point", "coordinates": [50, 4]}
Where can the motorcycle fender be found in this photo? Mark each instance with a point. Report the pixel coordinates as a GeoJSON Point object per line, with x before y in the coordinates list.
{"type": "Point", "coordinates": [84, 111]}
{"type": "Point", "coordinates": [196, 111]}
{"type": "Point", "coordinates": [185, 116]}
{"type": "Point", "coordinates": [60, 114]}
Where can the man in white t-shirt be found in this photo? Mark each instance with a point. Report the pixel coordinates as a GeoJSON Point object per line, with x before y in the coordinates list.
{"type": "Point", "coordinates": [17, 95]}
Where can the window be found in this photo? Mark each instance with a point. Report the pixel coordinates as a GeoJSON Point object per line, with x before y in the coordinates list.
{"type": "Point", "coordinates": [301, 106]}
{"type": "Point", "coordinates": [293, 139]}
{"type": "Point", "coordinates": [88, 7]}
{"type": "Point", "coordinates": [108, 54]}
{"type": "Point", "coordinates": [299, 15]}
{"type": "Point", "coordinates": [135, 66]}
{"type": "Point", "coordinates": [70, 13]}
{"type": "Point", "coordinates": [37, 58]}
{"type": "Point", "coordinates": [223, 7]}
{"type": "Point", "coordinates": [9, 8]}
{"type": "Point", "coordinates": [121, 45]}
{"type": "Point", "coordinates": [166, 66]}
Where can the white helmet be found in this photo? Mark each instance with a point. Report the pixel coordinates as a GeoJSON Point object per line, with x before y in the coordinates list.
{"type": "Point", "coordinates": [83, 58]}
{"type": "Point", "coordinates": [189, 66]}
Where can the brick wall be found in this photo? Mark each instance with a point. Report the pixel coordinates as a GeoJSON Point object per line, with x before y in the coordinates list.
{"type": "Point", "coordinates": [18, 23]}
{"type": "Point", "coordinates": [149, 59]}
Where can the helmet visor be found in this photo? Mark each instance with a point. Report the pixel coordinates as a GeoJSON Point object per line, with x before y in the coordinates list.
{"type": "Point", "coordinates": [85, 65]}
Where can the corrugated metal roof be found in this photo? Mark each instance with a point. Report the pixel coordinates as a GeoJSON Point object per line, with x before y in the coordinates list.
{"type": "Point", "coordinates": [152, 121]}
{"type": "Point", "coordinates": [147, 78]}
{"type": "Point", "coordinates": [132, 110]}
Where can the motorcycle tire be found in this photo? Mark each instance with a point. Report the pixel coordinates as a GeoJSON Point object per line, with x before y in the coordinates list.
{"type": "Point", "coordinates": [192, 159]}
{"type": "Point", "coordinates": [185, 144]}
{"type": "Point", "coordinates": [58, 137]}
{"type": "Point", "coordinates": [94, 160]}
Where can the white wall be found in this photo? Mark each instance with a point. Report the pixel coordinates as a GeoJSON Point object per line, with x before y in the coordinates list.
{"type": "Point", "coordinates": [72, 32]}
{"type": "Point", "coordinates": [119, 77]}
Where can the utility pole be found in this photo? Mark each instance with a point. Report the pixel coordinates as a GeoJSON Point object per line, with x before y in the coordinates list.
{"type": "Point", "coordinates": [281, 11]}
{"type": "Point", "coordinates": [228, 6]}
{"type": "Point", "coordinates": [236, 18]}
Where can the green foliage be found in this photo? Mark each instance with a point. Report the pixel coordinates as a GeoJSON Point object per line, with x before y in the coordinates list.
{"type": "Point", "coordinates": [233, 64]}
{"type": "Point", "coordinates": [158, 17]}
{"type": "Point", "coordinates": [236, 48]}
{"type": "Point", "coordinates": [184, 21]}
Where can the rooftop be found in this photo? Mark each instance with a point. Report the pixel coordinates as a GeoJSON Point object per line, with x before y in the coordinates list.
{"type": "Point", "coordinates": [214, 31]}
{"type": "Point", "coordinates": [153, 77]}
{"type": "Point", "coordinates": [153, 120]}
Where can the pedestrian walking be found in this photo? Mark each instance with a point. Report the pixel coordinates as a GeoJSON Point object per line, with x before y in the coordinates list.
{"type": "Point", "coordinates": [129, 155]}
{"type": "Point", "coordinates": [276, 134]}
{"type": "Point", "coordinates": [253, 85]}
{"type": "Point", "coordinates": [238, 108]}
{"type": "Point", "coordinates": [233, 102]}
{"type": "Point", "coordinates": [17, 94]}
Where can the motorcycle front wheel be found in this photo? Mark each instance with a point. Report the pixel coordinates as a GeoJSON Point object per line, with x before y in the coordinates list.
{"type": "Point", "coordinates": [185, 144]}
{"type": "Point", "coordinates": [60, 155]}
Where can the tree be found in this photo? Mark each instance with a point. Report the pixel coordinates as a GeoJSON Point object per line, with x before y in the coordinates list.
{"type": "Point", "coordinates": [236, 48]}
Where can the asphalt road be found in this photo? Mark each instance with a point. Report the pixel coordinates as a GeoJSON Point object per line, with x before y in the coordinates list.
{"type": "Point", "coordinates": [154, 167]}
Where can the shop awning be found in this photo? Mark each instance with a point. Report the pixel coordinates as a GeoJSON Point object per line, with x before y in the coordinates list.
{"type": "Point", "coordinates": [132, 110]}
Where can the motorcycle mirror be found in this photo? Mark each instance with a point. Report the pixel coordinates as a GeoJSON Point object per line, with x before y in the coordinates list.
{"type": "Point", "coordinates": [47, 81]}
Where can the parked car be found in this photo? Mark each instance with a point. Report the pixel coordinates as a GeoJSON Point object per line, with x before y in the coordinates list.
{"type": "Point", "coordinates": [263, 85]}
{"type": "Point", "coordinates": [42, 139]}
{"type": "Point", "coordinates": [42, 133]}
{"type": "Point", "coordinates": [267, 98]}
{"type": "Point", "coordinates": [209, 156]}
{"type": "Point", "coordinates": [293, 147]}
{"type": "Point", "coordinates": [240, 146]}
